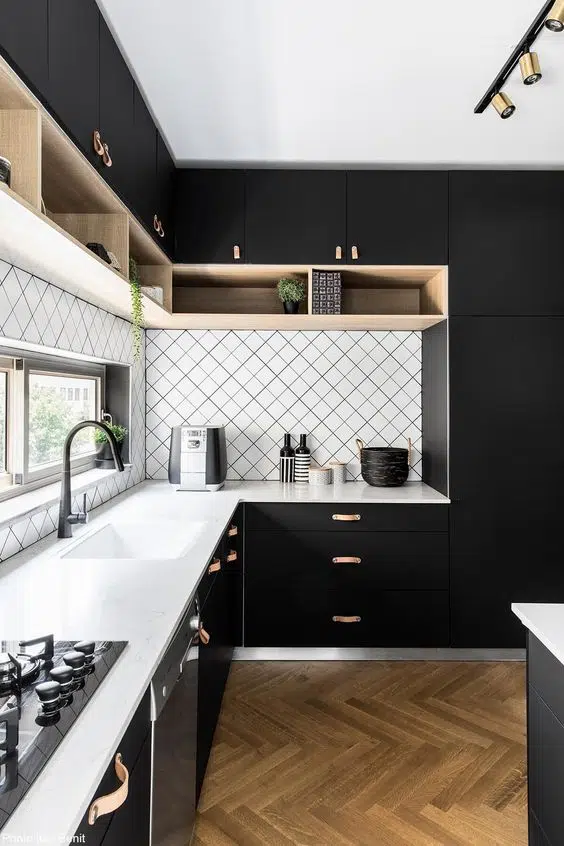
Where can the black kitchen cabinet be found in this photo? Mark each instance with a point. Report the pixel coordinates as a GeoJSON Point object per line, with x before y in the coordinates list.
{"type": "Point", "coordinates": [295, 216]}
{"type": "Point", "coordinates": [506, 420]}
{"type": "Point", "coordinates": [397, 217]}
{"type": "Point", "coordinates": [24, 41]}
{"type": "Point", "coordinates": [130, 823]}
{"type": "Point", "coordinates": [506, 248]}
{"type": "Point", "coordinates": [165, 194]}
{"type": "Point", "coordinates": [332, 517]}
{"type": "Point", "coordinates": [308, 588]}
{"type": "Point", "coordinates": [144, 153]}
{"type": "Point", "coordinates": [117, 117]}
{"type": "Point", "coordinates": [214, 663]}
{"type": "Point", "coordinates": [74, 69]}
{"type": "Point", "coordinates": [209, 212]}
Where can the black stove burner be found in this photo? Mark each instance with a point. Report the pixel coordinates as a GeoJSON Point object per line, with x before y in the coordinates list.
{"type": "Point", "coordinates": [44, 686]}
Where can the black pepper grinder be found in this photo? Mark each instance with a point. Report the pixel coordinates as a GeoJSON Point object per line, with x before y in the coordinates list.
{"type": "Point", "coordinates": [287, 460]}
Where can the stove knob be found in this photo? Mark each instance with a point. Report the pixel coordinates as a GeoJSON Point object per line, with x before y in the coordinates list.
{"type": "Point", "coordinates": [63, 675]}
{"type": "Point", "coordinates": [49, 693]}
{"type": "Point", "coordinates": [87, 647]}
{"type": "Point", "coordinates": [76, 660]}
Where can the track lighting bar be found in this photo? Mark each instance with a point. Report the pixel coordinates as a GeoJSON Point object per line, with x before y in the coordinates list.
{"type": "Point", "coordinates": [523, 47]}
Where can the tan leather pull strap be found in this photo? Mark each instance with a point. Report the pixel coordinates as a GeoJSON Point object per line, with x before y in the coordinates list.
{"type": "Point", "coordinates": [97, 142]}
{"type": "Point", "coordinates": [233, 531]}
{"type": "Point", "coordinates": [110, 803]}
{"type": "Point", "coordinates": [232, 556]}
{"type": "Point", "coordinates": [338, 619]}
{"type": "Point", "coordinates": [204, 636]}
{"type": "Point", "coordinates": [346, 517]}
{"type": "Point", "coordinates": [236, 252]}
{"type": "Point", "coordinates": [106, 158]}
{"type": "Point", "coordinates": [346, 559]}
{"type": "Point", "coordinates": [215, 566]}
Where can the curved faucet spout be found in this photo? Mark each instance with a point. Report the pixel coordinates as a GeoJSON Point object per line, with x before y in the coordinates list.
{"type": "Point", "coordinates": [66, 518]}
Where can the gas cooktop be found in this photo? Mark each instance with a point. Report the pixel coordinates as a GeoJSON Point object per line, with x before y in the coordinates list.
{"type": "Point", "coordinates": [44, 685]}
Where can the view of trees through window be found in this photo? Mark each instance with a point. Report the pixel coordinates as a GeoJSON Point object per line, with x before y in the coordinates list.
{"type": "Point", "coordinates": [3, 422]}
{"type": "Point", "coordinates": [56, 403]}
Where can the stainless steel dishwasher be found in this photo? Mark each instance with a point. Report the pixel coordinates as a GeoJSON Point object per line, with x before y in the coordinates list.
{"type": "Point", "coordinates": [174, 716]}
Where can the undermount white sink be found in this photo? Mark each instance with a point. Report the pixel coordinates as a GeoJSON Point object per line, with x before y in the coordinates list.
{"type": "Point", "coordinates": [136, 540]}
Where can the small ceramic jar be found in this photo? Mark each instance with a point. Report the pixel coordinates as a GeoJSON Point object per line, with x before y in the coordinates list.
{"type": "Point", "coordinates": [320, 475]}
{"type": "Point", "coordinates": [339, 469]}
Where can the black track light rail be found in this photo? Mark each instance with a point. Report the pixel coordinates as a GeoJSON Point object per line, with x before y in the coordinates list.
{"type": "Point", "coordinates": [524, 46]}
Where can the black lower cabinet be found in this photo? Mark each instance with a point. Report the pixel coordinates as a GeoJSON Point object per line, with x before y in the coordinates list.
{"type": "Point", "coordinates": [545, 748]}
{"type": "Point", "coordinates": [131, 822]}
{"type": "Point", "coordinates": [349, 589]}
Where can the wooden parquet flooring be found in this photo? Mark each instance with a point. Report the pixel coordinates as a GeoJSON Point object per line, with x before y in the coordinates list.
{"type": "Point", "coordinates": [368, 754]}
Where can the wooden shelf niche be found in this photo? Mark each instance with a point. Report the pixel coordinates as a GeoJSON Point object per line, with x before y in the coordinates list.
{"type": "Point", "coordinates": [20, 141]}
{"type": "Point", "coordinates": [244, 297]}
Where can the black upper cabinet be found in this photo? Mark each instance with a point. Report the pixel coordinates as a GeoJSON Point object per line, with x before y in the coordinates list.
{"type": "Point", "coordinates": [144, 154]}
{"type": "Point", "coordinates": [74, 69]}
{"type": "Point", "coordinates": [506, 247]}
{"type": "Point", "coordinates": [295, 216]}
{"type": "Point", "coordinates": [397, 217]}
{"type": "Point", "coordinates": [165, 187]}
{"type": "Point", "coordinates": [24, 41]}
{"type": "Point", "coordinates": [209, 212]}
{"type": "Point", "coordinates": [117, 117]}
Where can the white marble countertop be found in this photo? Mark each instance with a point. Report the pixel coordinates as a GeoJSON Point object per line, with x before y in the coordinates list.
{"type": "Point", "coordinates": [126, 599]}
{"type": "Point", "coordinates": [546, 622]}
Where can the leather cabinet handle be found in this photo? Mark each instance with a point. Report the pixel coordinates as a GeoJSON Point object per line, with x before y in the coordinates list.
{"type": "Point", "coordinates": [161, 230]}
{"type": "Point", "coordinates": [236, 252]}
{"type": "Point", "coordinates": [97, 143]}
{"type": "Point", "coordinates": [112, 801]}
{"type": "Point", "coordinates": [233, 531]}
{"type": "Point", "coordinates": [204, 636]}
{"type": "Point", "coordinates": [155, 223]}
{"type": "Point", "coordinates": [338, 253]}
{"type": "Point", "coordinates": [354, 253]}
{"type": "Point", "coordinates": [338, 619]}
{"type": "Point", "coordinates": [215, 566]}
{"type": "Point", "coordinates": [232, 556]}
{"type": "Point", "coordinates": [347, 518]}
{"type": "Point", "coordinates": [106, 158]}
{"type": "Point", "coordinates": [346, 559]}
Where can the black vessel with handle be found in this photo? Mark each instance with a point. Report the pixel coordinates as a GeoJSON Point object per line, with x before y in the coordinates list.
{"type": "Point", "coordinates": [384, 467]}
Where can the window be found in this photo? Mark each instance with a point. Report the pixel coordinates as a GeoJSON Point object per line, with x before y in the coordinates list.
{"type": "Point", "coordinates": [41, 399]}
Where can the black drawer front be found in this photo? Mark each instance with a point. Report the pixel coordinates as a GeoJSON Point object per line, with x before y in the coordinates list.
{"type": "Point", "coordinates": [536, 834]}
{"type": "Point", "coordinates": [546, 675]}
{"type": "Point", "coordinates": [321, 517]}
{"type": "Point", "coordinates": [385, 619]}
{"type": "Point", "coordinates": [388, 560]}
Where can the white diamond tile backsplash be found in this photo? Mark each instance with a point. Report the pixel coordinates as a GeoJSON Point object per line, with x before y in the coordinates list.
{"type": "Point", "coordinates": [38, 312]}
{"type": "Point", "coordinates": [334, 386]}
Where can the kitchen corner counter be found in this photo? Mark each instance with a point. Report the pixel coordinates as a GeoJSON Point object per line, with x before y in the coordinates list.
{"type": "Point", "coordinates": [140, 601]}
{"type": "Point", "coordinates": [546, 622]}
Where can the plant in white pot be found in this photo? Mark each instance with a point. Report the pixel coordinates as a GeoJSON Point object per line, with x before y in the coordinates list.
{"type": "Point", "coordinates": [291, 291]}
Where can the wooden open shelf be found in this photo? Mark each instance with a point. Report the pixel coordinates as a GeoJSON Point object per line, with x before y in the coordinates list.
{"type": "Point", "coordinates": [244, 297]}
{"type": "Point", "coordinates": [61, 196]}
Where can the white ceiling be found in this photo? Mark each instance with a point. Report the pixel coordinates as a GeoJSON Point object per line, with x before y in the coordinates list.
{"type": "Point", "coordinates": [341, 81]}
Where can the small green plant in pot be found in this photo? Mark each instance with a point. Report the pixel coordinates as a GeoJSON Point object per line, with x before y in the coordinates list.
{"type": "Point", "coordinates": [291, 291]}
{"type": "Point", "coordinates": [104, 459]}
{"type": "Point", "coordinates": [136, 308]}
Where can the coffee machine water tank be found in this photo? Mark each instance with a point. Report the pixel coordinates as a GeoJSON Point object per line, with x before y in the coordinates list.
{"type": "Point", "coordinates": [198, 458]}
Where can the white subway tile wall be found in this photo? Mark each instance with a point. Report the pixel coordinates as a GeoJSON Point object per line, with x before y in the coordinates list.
{"type": "Point", "coordinates": [38, 312]}
{"type": "Point", "coordinates": [334, 386]}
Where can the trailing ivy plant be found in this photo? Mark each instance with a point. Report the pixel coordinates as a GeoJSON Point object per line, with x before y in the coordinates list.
{"type": "Point", "coordinates": [136, 309]}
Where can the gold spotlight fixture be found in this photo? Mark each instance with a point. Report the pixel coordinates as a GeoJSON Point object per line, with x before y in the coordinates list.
{"type": "Point", "coordinates": [552, 16]}
{"type": "Point", "coordinates": [530, 68]}
{"type": "Point", "coordinates": [555, 19]}
{"type": "Point", "coordinates": [503, 105]}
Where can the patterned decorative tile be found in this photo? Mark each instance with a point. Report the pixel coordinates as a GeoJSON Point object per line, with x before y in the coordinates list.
{"type": "Point", "coordinates": [38, 312]}
{"type": "Point", "coordinates": [333, 385]}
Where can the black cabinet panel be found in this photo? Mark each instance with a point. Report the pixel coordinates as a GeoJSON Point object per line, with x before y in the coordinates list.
{"type": "Point", "coordinates": [536, 834]}
{"type": "Point", "coordinates": [397, 217]}
{"type": "Point", "coordinates": [117, 117]}
{"type": "Point", "coordinates": [165, 188]}
{"type": "Point", "coordinates": [74, 69]}
{"type": "Point", "coordinates": [507, 410]}
{"type": "Point", "coordinates": [209, 215]}
{"type": "Point", "coordinates": [546, 768]}
{"type": "Point", "coordinates": [506, 247]}
{"type": "Point", "coordinates": [295, 216]}
{"type": "Point", "coordinates": [24, 41]}
{"type": "Point", "coordinates": [131, 822]}
{"type": "Point", "coordinates": [145, 159]}
{"type": "Point", "coordinates": [314, 516]}
{"type": "Point", "coordinates": [546, 675]}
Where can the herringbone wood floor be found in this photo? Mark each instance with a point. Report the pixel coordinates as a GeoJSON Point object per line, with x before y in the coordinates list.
{"type": "Point", "coordinates": [368, 754]}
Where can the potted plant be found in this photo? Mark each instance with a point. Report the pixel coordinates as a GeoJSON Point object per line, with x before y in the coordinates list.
{"type": "Point", "coordinates": [291, 291]}
{"type": "Point", "coordinates": [136, 308]}
{"type": "Point", "coordinates": [104, 459]}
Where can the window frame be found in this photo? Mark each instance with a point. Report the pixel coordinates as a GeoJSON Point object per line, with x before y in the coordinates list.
{"type": "Point", "coordinates": [6, 476]}
{"type": "Point", "coordinates": [25, 364]}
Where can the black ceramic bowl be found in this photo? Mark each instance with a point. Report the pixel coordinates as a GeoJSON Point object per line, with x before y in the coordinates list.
{"type": "Point", "coordinates": [384, 467]}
